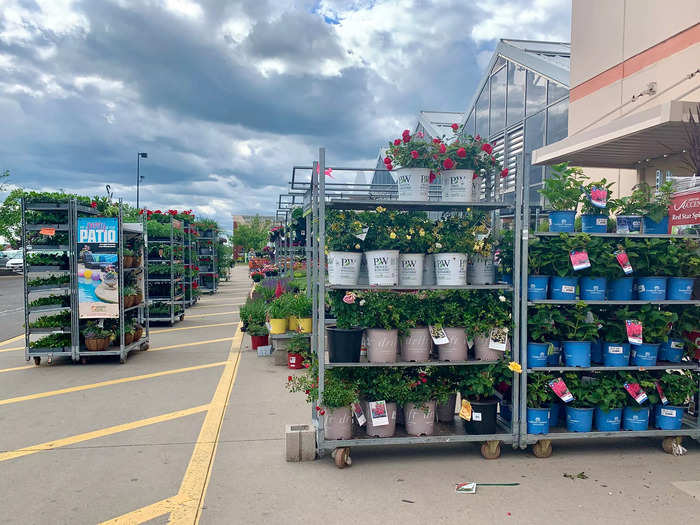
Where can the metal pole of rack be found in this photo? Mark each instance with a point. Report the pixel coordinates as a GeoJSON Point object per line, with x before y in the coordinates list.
{"type": "Point", "coordinates": [313, 268]}
{"type": "Point", "coordinates": [307, 251]}
{"type": "Point", "coordinates": [120, 263]}
{"type": "Point", "coordinates": [321, 278]}
{"type": "Point", "coordinates": [25, 277]}
{"type": "Point", "coordinates": [522, 255]}
{"type": "Point", "coordinates": [72, 220]}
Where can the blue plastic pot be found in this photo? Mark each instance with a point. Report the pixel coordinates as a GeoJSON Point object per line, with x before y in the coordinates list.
{"type": "Point", "coordinates": [506, 278]}
{"type": "Point", "coordinates": [671, 351]}
{"type": "Point", "coordinates": [554, 414]}
{"type": "Point", "coordinates": [680, 288]}
{"type": "Point", "coordinates": [629, 223]}
{"type": "Point", "coordinates": [579, 419]}
{"type": "Point", "coordinates": [561, 221]}
{"type": "Point", "coordinates": [577, 353]}
{"type": "Point", "coordinates": [620, 289]}
{"type": "Point", "coordinates": [608, 420]}
{"type": "Point", "coordinates": [554, 357]}
{"type": "Point", "coordinates": [563, 288]}
{"type": "Point", "coordinates": [538, 421]}
{"type": "Point", "coordinates": [668, 417]}
{"type": "Point", "coordinates": [536, 354]}
{"type": "Point", "coordinates": [593, 288]}
{"type": "Point", "coordinates": [594, 223]}
{"type": "Point", "coordinates": [656, 227]}
{"type": "Point", "coordinates": [597, 351]}
{"type": "Point", "coordinates": [651, 288]}
{"type": "Point", "coordinates": [645, 354]}
{"type": "Point", "coordinates": [616, 354]}
{"type": "Point", "coordinates": [635, 418]}
{"type": "Point", "coordinates": [537, 287]}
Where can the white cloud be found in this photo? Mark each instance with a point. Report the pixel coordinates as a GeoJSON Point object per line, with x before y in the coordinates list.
{"type": "Point", "coordinates": [54, 16]}
{"type": "Point", "coordinates": [185, 8]}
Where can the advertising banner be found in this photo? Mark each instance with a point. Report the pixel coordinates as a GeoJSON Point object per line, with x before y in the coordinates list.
{"type": "Point", "coordinates": [684, 212]}
{"type": "Point", "coordinates": [98, 277]}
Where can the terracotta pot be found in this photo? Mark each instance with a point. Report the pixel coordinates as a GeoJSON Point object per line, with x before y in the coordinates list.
{"type": "Point", "coordinates": [137, 262]}
{"type": "Point", "coordinates": [420, 418]}
{"type": "Point", "coordinates": [483, 352]}
{"type": "Point", "coordinates": [456, 349]}
{"type": "Point", "coordinates": [128, 338]}
{"type": "Point", "coordinates": [139, 298]}
{"type": "Point", "coordinates": [416, 345]}
{"type": "Point", "coordinates": [138, 333]}
{"type": "Point", "coordinates": [381, 345]}
{"type": "Point", "coordinates": [96, 344]}
{"type": "Point", "coordinates": [337, 423]}
{"type": "Point", "coordinates": [128, 261]}
{"type": "Point", "coordinates": [382, 430]}
{"type": "Point", "coordinates": [446, 411]}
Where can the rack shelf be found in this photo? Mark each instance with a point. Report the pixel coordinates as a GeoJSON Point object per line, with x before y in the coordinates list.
{"type": "Point", "coordinates": [47, 308]}
{"type": "Point", "coordinates": [391, 204]}
{"type": "Point", "coordinates": [562, 433]}
{"type": "Point", "coordinates": [43, 269]}
{"type": "Point", "coordinates": [49, 288]}
{"type": "Point", "coordinates": [472, 362]}
{"type": "Point", "coordinates": [57, 227]}
{"type": "Point", "coordinates": [612, 303]}
{"type": "Point", "coordinates": [48, 248]}
{"type": "Point", "coordinates": [658, 366]}
{"type": "Point", "coordinates": [506, 287]}
{"type": "Point", "coordinates": [621, 235]}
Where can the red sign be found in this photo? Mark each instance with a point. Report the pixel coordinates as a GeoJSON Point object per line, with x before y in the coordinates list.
{"type": "Point", "coordinates": [684, 211]}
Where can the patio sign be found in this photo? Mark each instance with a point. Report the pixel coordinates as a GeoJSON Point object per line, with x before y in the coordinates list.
{"type": "Point", "coordinates": [684, 212]}
{"type": "Point", "coordinates": [98, 272]}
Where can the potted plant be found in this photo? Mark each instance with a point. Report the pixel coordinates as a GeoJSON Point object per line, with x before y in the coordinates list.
{"type": "Point", "coordinates": [609, 397]}
{"type": "Point", "coordinates": [277, 312]}
{"type": "Point", "coordinates": [594, 217]}
{"type": "Point", "coordinates": [128, 258]}
{"type": "Point", "coordinates": [418, 399]}
{"type": "Point", "coordinates": [615, 348]}
{"type": "Point", "coordinates": [539, 399]}
{"type": "Point", "coordinates": [452, 242]}
{"type": "Point", "coordinates": [445, 392]}
{"type": "Point", "coordinates": [415, 343]}
{"type": "Point", "coordinates": [563, 191]}
{"type": "Point", "coordinates": [138, 332]}
{"type": "Point", "coordinates": [129, 332]}
{"type": "Point", "coordinates": [258, 335]}
{"type": "Point", "coordinates": [619, 285]}
{"type": "Point", "coordinates": [685, 261]}
{"type": "Point", "coordinates": [679, 386]}
{"type": "Point", "coordinates": [413, 243]}
{"type": "Point", "coordinates": [629, 214]}
{"type": "Point", "coordinates": [537, 280]}
{"type": "Point", "coordinates": [489, 311]}
{"type": "Point", "coordinates": [381, 246]}
{"type": "Point", "coordinates": [417, 158]}
{"type": "Point", "coordinates": [476, 385]}
{"type": "Point", "coordinates": [302, 305]}
{"type": "Point", "coordinates": [578, 329]}
{"type": "Point", "coordinates": [96, 337]}
{"type": "Point", "coordinates": [381, 384]}
{"type": "Point", "coordinates": [345, 247]}
{"type": "Point", "coordinates": [504, 256]}
{"type": "Point", "coordinates": [635, 416]}
{"type": "Point", "coordinates": [382, 320]}
{"type": "Point", "coordinates": [654, 204]}
{"type": "Point", "coordinates": [542, 328]}
{"type": "Point", "coordinates": [299, 351]}
{"type": "Point", "coordinates": [338, 394]}
{"type": "Point", "coordinates": [655, 264]}
{"type": "Point", "coordinates": [468, 156]}
{"type": "Point", "coordinates": [656, 325]}
{"type": "Point", "coordinates": [579, 412]}
{"type": "Point", "coordinates": [679, 338]}
{"type": "Point", "coordinates": [449, 312]}
{"type": "Point", "coordinates": [481, 268]}
{"type": "Point", "coordinates": [345, 338]}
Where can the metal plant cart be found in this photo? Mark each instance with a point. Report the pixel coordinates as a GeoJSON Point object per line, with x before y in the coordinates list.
{"type": "Point", "coordinates": [365, 197]}
{"type": "Point", "coordinates": [191, 262]}
{"type": "Point", "coordinates": [542, 442]}
{"type": "Point", "coordinates": [175, 298]}
{"type": "Point", "coordinates": [208, 279]}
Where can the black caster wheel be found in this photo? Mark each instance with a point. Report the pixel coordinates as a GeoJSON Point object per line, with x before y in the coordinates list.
{"type": "Point", "coordinates": [37, 360]}
{"type": "Point", "coordinates": [122, 360]}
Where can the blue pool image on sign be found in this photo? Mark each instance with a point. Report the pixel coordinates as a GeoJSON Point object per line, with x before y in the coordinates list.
{"type": "Point", "coordinates": [98, 270]}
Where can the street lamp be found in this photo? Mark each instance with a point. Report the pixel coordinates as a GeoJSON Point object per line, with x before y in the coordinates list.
{"type": "Point", "coordinates": [138, 174]}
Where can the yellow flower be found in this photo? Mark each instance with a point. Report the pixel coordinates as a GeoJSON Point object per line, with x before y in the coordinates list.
{"type": "Point", "coordinates": [392, 235]}
{"type": "Point", "coordinates": [410, 230]}
{"type": "Point", "coordinates": [408, 237]}
{"type": "Point", "coordinates": [515, 367]}
{"type": "Point", "coordinates": [422, 232]}
{"type": "Point", "coordinates": [357, 246]}
{"type": "Point", "coordinates": [380, 209]}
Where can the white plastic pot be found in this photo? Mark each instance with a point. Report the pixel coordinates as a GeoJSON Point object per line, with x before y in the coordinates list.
{"type": "Point", "coordinates": [457, 185]}
{"type": "Point", "coordinates": [383, 267]}
{"type": "Point", "coordinates": [413, 184]}
{"type": "Point", "coordinates": [429, 270]}
{"type": "Point", "coordinates": [344, 267]}
{"type": "Point", "coordinates": [451, 269]}
{"type": "Point", "coordinates": [411, 269]}
{"type": "Point", "coordinates": [482, 270]}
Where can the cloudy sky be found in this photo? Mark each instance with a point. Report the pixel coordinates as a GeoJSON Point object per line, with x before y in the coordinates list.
{"type": "Point", "coordinates": [226, 95]}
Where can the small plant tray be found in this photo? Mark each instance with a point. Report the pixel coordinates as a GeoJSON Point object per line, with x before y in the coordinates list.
{"type": "Point", "coordinates": [57, 227]}
{"type": "Point", "coordinates": [48, 287]}
{"type": "Point", "coordinates": [48, 248]}
{"type": "Point", "coordinates": [48, 308]}
{"type": "Point", "coordinates": [39, 269]}
{"type": "Point", "coordinates": [52, 330]}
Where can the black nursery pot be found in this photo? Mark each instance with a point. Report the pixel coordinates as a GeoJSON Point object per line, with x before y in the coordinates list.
{"type": "Point", "coordinates": [344, 344]}
{"type": "Point", "coordinates": [486, 411]}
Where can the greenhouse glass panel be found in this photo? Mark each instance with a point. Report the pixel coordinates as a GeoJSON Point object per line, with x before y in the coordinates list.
{"type": "Point", "coordinates": [557, 121]}
{"type": "Point", "coordinates": [534, 138]}
{"type": "Point", "coordinates": [498, 101]}
{"type": "Point", "coordinates": [516, 93]}
{"type": "Point", "coordinates": [555, 92]}
{"type": "Point", "coordinates": [469, 126]}
{"type": "Point", "coordinates": [536, 93]}
{"type": "Point", "coordinates": [482, 113]}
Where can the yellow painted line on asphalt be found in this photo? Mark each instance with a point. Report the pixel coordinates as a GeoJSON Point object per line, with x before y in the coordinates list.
{"type": "Point", "coordinates": [183, 345]}
{"type": "Point", "coordinates": [192, 327]}
{"type": "Point", "coordinates": [12, 340]}
{"type": "Point", "coordinates": [209, 315]}
{"type": "Point", "coordinates": [16, 368]}
{"type": "Point", "coordinates": [213, 305]}
{"type": "Point", "coordinates": [13, 349]}
{"type": "Point", "coordinates": [144, 514]}
{"type": "Point", "coordinates": [79, 438]}
{"type": "Point", "coordinates": [107, 383]}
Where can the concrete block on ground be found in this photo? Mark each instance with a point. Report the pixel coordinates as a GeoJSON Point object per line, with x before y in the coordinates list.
{"type": "Point", "coordinates": [279, 350]}
{"type": "Point", "coordinates": [300, 443]}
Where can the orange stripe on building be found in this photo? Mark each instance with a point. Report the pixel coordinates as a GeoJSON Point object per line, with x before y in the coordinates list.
{"type": "Point", "coordinates": [636, 63]}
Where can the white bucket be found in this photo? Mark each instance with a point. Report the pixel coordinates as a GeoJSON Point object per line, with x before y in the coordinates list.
{"type": "Point", "coordinates": [457, 185]}
{"type": "Point", "coordinates": [344, 267]}
{"type": "Point", "coordinates": [413, 183]}
{"type": "Point", "coordinates": [429, 270]}
{"type": "Point", "coordinates": [364, 275]}
{"type": "Point", "coordinates": [451, 269]}
{"type": "Point", "coordinates": [411, 269]}
{"type": "Point", "coordinates": [482, 270]}
{"type": "Point", "coordinates": [383, 267]}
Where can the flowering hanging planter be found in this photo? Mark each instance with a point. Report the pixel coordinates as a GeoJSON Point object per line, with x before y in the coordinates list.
{"type": "Point", "coordinates": [451, 269]}
{"type": "Point", "coordinates": [418, 161]}
{"type": "Point", "coordinates": [413, 184]}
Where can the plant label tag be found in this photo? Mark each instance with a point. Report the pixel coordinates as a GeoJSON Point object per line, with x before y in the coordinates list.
{"type": "Point", "coordinates": [601, 221]}
{"type": "Point", "coordinates": [634, 332]}
{"type": "Point", "coordinates": [635, 390]}
{"type": "Point", "coordinates": [662, 396]}
{"type": "Point", "coordinates": [362, 235]}
{"type": "Point", "coordinates": [598, 197]}
{"type": "Point", "coordinates": [615, 349]}
{"type": "Point", "coordinates": [48, 231]}
{"type": "Point", "coordinates": [482, 236]}
{"type": "Point", "coordinates": [466, 411]}
{"type": "Point", "coordinates": [439, 336]}
{"type": "Point", "coordinates": [668, 412]}
{"type": "Point", "coordinates": [359, 414]}
{"type": "Point", "coordinates": [624, 261]}
{"type": "Point", "coordinates": [579, 259]}
{"type": "Point", "coordinates": [677, 345]}
{"type": "Point", "coordinates": [378, 413]}
{"type": "Point", "coordinates": [498, 339]}
{"type": "Point", "coordinates": [567, 288]}
{"type": "Point", "coordinates": [476, 416]}
{"type": "Point", "coordinates": [466, 488]}
{"type": "Point", "coordinates": [561, 390]}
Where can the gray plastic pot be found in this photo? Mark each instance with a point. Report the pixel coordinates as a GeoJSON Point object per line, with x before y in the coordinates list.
{"type": "Point", "coordinates": [416, 345]}
{"type": "Point", "coordinates": [381, 431]}
{"type": "Point", "coordinates": [481, 270]}
{"type": "Point", "coordinates": [456, 349]}
{"type": "Point", "coordinates": [337, 423]}
{"type": "Point", "coordinates": [446, 411]}
{"type": "Point", "coordinates": [484, 353]}
{"type": "Point", "coordinates": [382, 345]}
{"type": "Point", "coordinates": [420, 418]}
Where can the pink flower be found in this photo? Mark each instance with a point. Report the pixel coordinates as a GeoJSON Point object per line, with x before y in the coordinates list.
{"type": "Point", "coordinates": [397, 142]}
{"type": "Point", "coordinates": [420, 134]}
{"type": "Point", "coordinates": [461, 153]}
{"type": "Point", "coordinates": [443, 148]}
{"type": "Point", "coordinates": [405, 133]}
{"type": "Point", "coordinates": [477, 138]}
{"type": "Point", "coordinates": [504, 173]}
{"type": "Point", "coordinates": [455, 127]}
{"type": "Point", "coordinates": [487, 148]}
{"type": "Point", "coordinates": [599, 194]}
{"type": "Point", "coordinates": [414, 154]}
{"type": "Point", "coordinates": [406, 139]}
{"type": "Point", "coordinates": [389, 167]}
{"type": "Point", "coordinates": [349, 298]}
{"type": "Point", "coordinates": [436, 141]}
{"type": "Point", "coordinates": [448, 164]}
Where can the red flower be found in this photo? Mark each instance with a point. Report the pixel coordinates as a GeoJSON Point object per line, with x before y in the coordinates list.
{"type": "Point", "coordinates": [322, 412]}
{"type": "Point", "coordinates": [461, 153]}
{"type": "Point", "coordinates": [397, 142]}
{"type": "Point", "coordinates": [432, 177]}
{"type": "Point", "coordinates": [455, 127]}
{"type": "Point", "coordinates": [389, 167]}
{"type": "Point", "coordinates": [158, 212]}
{"type": "Point", "coordinates": [443, 148]}
{"type": "Point", "coordinates": [477, 138]}
{"type": "Point", "coordinates": [424, 380]}
{"type": "Point", "coordinates": [493, 159]}
{"type": "Point", "coordinates": [487, 148]}
{"type": "Point", "coordinates": [504, 173]}
{"type": "Point", "coordinates": [318, 408]}
{"type": "Point", "coordinates": [140, 212]}
{"type": "Point", "coordinates": [406, 139]}
{"type": "Point", "coordinates": [436, 141]}
{"type": "Point", "coordinates": [448, 164]}
{"type": "Point", "coordinates": [93, 204]}
{"type": "Point", "coordinates": [475, 176]}
{"type": "Point", "coordinates": [414, 154]}
{"type": "Point", "coordinates": [387, 160]}
{"type": "Point", "coordinates": [289, 378]}
{"type": "Point", "coordinates": [306, 391]}
{"type": "Point", "coordinates": [149, 213]}
{"type": "Point", "coordinates": [405, 132]}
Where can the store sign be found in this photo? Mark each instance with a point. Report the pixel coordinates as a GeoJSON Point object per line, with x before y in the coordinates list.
{"type": "Point", "coordinates": [98, 270]}
{"type": "Point", "coordinates": [684, 212]}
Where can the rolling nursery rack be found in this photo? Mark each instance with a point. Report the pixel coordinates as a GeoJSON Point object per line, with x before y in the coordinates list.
{"type": "Point", "coordinates": [542, 446]}
{"type": "Point", "coordinates": [212, 235]}
{"type": "Point", "coordinates": [364, 197]}
{"type": "Point", "coordinates": [191, 260]}
{"type": "Point", "coordinates": [177, 295]}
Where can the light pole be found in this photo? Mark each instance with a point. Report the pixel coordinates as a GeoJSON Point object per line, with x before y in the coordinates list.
{"type": "Point", "coordinates": [139, 156]}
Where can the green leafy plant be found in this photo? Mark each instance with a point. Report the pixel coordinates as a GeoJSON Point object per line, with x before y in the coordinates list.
{"type": "Point", "coordinates": [51, 280]}
{"type": "Point", "coordinates": [418, 386]}
{"type": "Point", "coordinates": [279, 308]}
{"type": "Point", "coordinates": [576, 324]}
{"type": "Point", "coordinates": [543, 323]}
{"type": "Point", "coordinates": [656, 323]}
{"type": "Point", "coordinates": [504, 252]}
{"type": "Point", "coordinates": [539, 393]}
{"type": "Point", "coordinates": [52, 321]}
{"type": "Point", "coordinates": [342, 230]}
{"type": "Point", "coordinates": [476, 383]}
{"type": "Point", "coordinates": [581, 389]}
{"type": "Point", "coordinates": [587, 207]}
{"type": "Point", "coordinates": [686, 256]}
{"type": "Point", "coordinates": [58, 300]}
{"type": "Point", "coordinates": [608, 391]}
{"type": "Point", "coordinates": [380, 310]}
{"type": "Point", "coordinates": [92, 330]}
{"type": "Point", "coordinates": [257, 330]}
{"type": "Point", "coordinates": [651, 202]}
{"type": "Point", "coordinates": [487, 310]}
{"type": "Point", "coordinates": [376, 384]}
{"type": "Point", "coordinates": [348, 315]}
{"type": "Point", "coordinates": [679, 386]}
{"type": "Point", "coordinates": [645, 380]}
{"type": "Point", "coordinates": [48, 259]}
{"type": "Point", "coordinates": [614, 328]}
{"type": "Point", "coordinates": [452, 234]}
{"type": "Point", "coordinates": [299, 344]}
{"type": "Point", "coordinates": [253, 312]}
{"type": "Point", "coordinates": [412, 151]}
{"type": "Point", "coordinates": [414, 232]}
{"type": "Point", "coordinates": [563, 187]}
{"type": "Point", "coordinates": [52, 341]}
{"type": "Point", "coordinates": [301, 305]}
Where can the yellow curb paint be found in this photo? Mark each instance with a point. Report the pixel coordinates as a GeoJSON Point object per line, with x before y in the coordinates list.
{"type": "Point", "coordinates": [12, 340]}
{"type": "Point", "coordinates": [192, 327]}
{"type": "Point", "coordinates": [13, 349]}
{"type": "Point", "coordinates": [16, 368]}
{"type": "Point", "coordinates": [143, 514]}
{"type": "Point", "coordinates": [183, 345]}
{"type": "Point", "coordinates": [217, 313]}
{"type": "Point", "coordinates": [79, 438]}
{"type": "Point", "coordinates": [107, 383]}
{"type": "Point", "coordinates": [196, 480]}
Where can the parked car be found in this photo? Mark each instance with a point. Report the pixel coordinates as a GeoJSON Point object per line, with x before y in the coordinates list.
{"type": "Point", "coordinates": [16, 264]}
{"type": "Point", "coordinates": [6, 255]}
